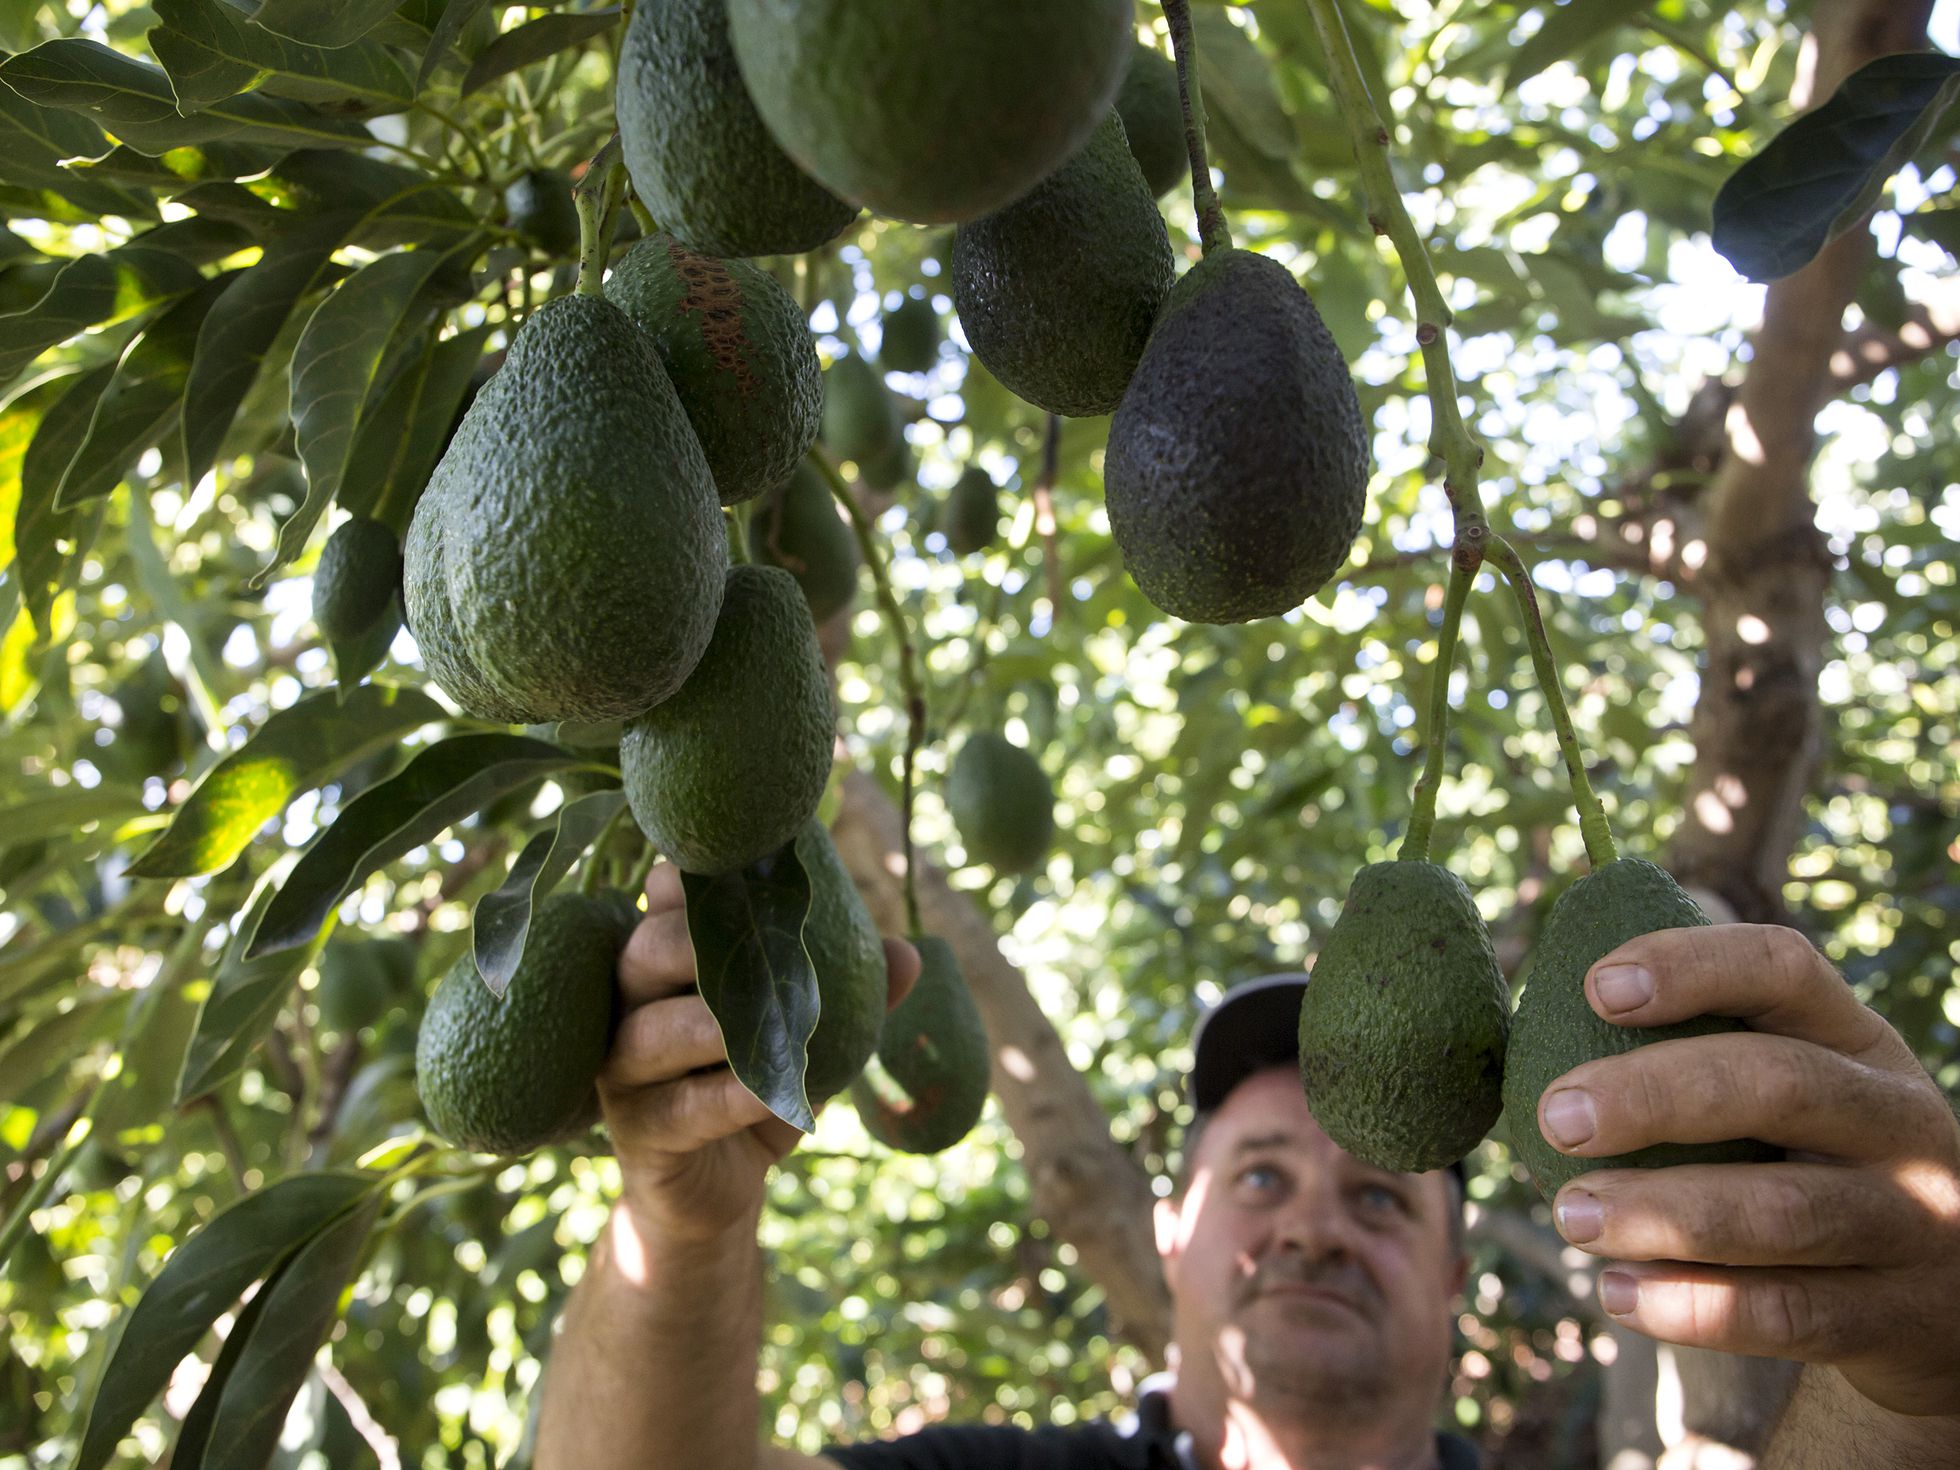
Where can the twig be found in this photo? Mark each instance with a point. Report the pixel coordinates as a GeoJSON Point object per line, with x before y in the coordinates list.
{"type": "Point", "coordinates": [336, 1077]}
{"type": "Point", "coordinates": [1213, 233]}
{"type": "Point", "coordinates": [1422, 818]}
{"type": "Point", "coordinates": [596, 196]}
{"type": "Point", "coordinates": [1044, 513]}
{"type": "Point", "coordinates": [380, 1443]}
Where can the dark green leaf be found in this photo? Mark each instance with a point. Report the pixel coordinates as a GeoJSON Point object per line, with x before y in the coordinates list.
{"type": "Point", "coordinates": [245, 998]}
{"type": "Point", "coordinates": [401, 440]}
{"type": "Point", "coordinates": [456, 15]}
{"type": "Point", "coordinates": [441, 786]}
{"type": "Point", "coordinates": [545, 36]}
{"type": "Point", "coordinates": [200, 1281]}
{"type": "Point", "coordinates": [1238, 82]}
{"type": "Point", "coordinates": [53, 1043]}
{"type": "Point", "coordinates": [183, 168]}
{"type": "Point", "coordinates": [66, 811]}
{"type": "Point", "coordinates": [503, 919]}
{"type": "Point", "coordinates": [1566, 29]}
{"type": "Point", "coordinates": [20, 422]}
{"type": "Point", "coordinates": [1823, 174]}
{"type": "Point", "coordinates": [37, 141]}
{"type": "Point", "coordinates": [90, 291]}
{"type": "Point", "coordinates": [48, 542]}
{"type": "Point", "coordinates": [295, 750]}
{"type": "Point", "coordinates": [211, 52]}
{"type": "Point", "coordinates": [323, 22]}
{"type": "Point", "coordinates": [747, 932]}
{"type": "Point", "coordinates": [196, 239]}
{"type": "Point", "coordinates": [194, 1438]}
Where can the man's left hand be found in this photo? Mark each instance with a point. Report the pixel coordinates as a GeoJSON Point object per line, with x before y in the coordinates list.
{"type": "Point", "coordinates": [1848, 1252]}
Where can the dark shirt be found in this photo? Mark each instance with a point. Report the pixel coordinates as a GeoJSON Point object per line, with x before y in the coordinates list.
{"type": "Point", "coordinates": [1150, 1444]}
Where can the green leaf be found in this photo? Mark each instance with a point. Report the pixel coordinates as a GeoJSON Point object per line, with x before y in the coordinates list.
{"type": "Point", "coordinates": [61, 812]}
{"type": "Point", "coordinates": [301, 1305]}
{"type": "Point", "coordinates": [503, 919]}
{"type": "Point", "coordinates": [90, 291]}
{"type": "Point", "coordinates": [403, 437]}
{"type": "Point", "coordinates": [47, 541]}
{"type": "Point", "coordinates": [245, 998]}
{"type": "Point", "coordinates": [211, 52]}
{"type": "Point", "coordinates": [1237, 80]}
{"type": "Point", "coordinates": [53, 1042]}
{"type": "Point", "coordinates": [323, 22]}
{"type": "Point", "coordinates": [747, 931]}
{"type": "Point", "coordinates": [336, 370]}
{"type": "Point", "coordinates": [20, 421]}
{"type": "Point", "coordinates": [194, 1438]}
{"type": "Point", "coordinates": [134, 103]}
{"type": "Point", "coordinates": [295, 750]}
{"type": "Point", "coordinates": [1566, 29]}
{"type": "Point", "coordinates": [441, 786]}
{"type": "Point", "coordinates": [1823, 174]}
{"type": "Point", "coordinates": [200, 1281]}
{"type": "Point", "coordinates": [456, 15]}
{"type": "Point", "coordinates": [37, 143]}
{"type": "Point", "coordinates": [546, 36]}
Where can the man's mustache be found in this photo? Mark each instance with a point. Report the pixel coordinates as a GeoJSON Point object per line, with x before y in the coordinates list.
{"type": "Point", "coordinates": [1341, 1278]}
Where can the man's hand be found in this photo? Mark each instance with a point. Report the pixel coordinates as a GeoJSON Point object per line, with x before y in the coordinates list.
{"type": "Point", "coordinates": [694, 1144]}
{"type": "Point", "coordinates": [1846, 1254]}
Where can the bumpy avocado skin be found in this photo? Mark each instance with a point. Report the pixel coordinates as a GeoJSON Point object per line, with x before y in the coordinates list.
{"type": "Point", "coordinates": [355, 582]}
{"type": "Point", "coordinates": [738, 352]}
{"type": "Point", "coordinates": [425, 596]}
{"type": "Point", "coordinates": [725, 772]}
{"type": "Point", "coordinates": [1002, 803]}
{"type": "Point", "coordinates": [1555, 1029]}
{"type": "Point", "coordinates": [512, 1075]}
{"type": "Point", "coordinates": [972, 512]}
{"type": "Point", "coordinates": [1153, 119]}
{"type": "Point", "coordinates": [933, 111]}
{"type": "Point", "coordinates": [1057, 292]}
{"type": "Point", "coordinates": [698, 153]}
{"type": "Point", "coordinates": [934, 1047]}
{"type": "Point", "coordinates": [1237, 467]}
{"type": "Point", "coordinates": [581, 546]}
{"type": "Point", "coordinates": [849, 958]}
{"type": "Point", "coordinates": [1402, 1029]}
{"type": "Point", "coordinates": [911, 336]}
{"type": "Point", "coordinates": [801, 531]}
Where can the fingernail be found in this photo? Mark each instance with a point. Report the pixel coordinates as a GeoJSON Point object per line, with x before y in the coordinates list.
{"type": "Point", "coordinates": [1580, 1217]}
{"type": "Point", "coordinates": [1569, 1117]}
{"type": "Point", "coordinates": [1623, 987]}
{"type": "Point", "coordinates": [1619, 1293]}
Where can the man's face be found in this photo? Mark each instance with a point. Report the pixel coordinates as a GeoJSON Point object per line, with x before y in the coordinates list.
{"type": "Point", "coordinates": [1296, 1271]}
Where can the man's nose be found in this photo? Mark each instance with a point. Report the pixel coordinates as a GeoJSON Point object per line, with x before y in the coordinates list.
{"type": "Point", "coordinates": [1315, 1224]}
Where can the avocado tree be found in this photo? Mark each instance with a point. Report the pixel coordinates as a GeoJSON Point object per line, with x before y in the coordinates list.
{"type": "Point", "coordinates": [260, 262]}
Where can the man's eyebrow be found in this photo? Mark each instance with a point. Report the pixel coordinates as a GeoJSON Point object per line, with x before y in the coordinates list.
{"type": "Point", "coordinates": [1260, 1141]}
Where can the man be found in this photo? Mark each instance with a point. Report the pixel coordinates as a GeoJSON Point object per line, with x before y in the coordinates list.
{"type": "Point", "coordinates": [1312, 1294]}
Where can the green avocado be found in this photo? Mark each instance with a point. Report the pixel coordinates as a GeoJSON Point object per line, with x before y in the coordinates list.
{"type": "Point", "coordinates": [539, 204]}
{"type": "Point", "coordinates": [1555, 1029]}
{"type": "Point", "coordinates": [1002, 804]}
{"type": "Point", "coordinates": [934, 1048]}
{"type": "Point", "coordinates": [849, 957]}
{"type": "Point", "coordinates": [911, 336]}
{"type": "Point", "coordinates": [507, 1076]}
{"type": "Point", "coordinates": [972, 512]}
{"type": "Point", "coordinates": [933, 111]}
{"type": "Point", "coordinates": [568, 554]}
{"type": "Point", "coordinates": [860, 420]}
{"type": "Point", "coordinates": [361, 979]}
{"type": "Point", "coordinates": [1402, 1029]}
{"type": "Point", "coordinates": [1237, 466]}
{"type": "Point", "coordinates": [1153, 119]}
{"type": "Point", "coordinates": [699, 156]}
{"type": "Point", "coordinates": [739, 354]}
{"type": "Point", "coordinates": [800, 530]}
{"type": "Point", "coordinates": [1057, 292]}
{"type": "Point", "coordinates": [725, 772]}
{"type": "Point", "coordinates": [356, 579]}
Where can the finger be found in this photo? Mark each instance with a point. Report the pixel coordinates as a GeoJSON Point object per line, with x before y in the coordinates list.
{"type": "Point", "coordinates": [1821, 1315]}
{"type": "Point", "coordinates": [665, 1040]}
{"type": "Point", "coordinates": [658, 960]}
{"type": "Point", "coordinates": [1766, 975]}
{"type": "Point", "coordinates": [1748, 1215]}
{"type": "Point", "coordinates": [902, 965]}
{"type": "Point", "coordinates": [1741, 1084]}
{"type": "Point", "coordinates": [679, 1117]}
{"type": "Point", "coordinates": [664, 889]}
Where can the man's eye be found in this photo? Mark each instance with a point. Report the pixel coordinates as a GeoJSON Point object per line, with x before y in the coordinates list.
{"type": "Point", "coordinates": [1259, 1176]}
{"type": "Point", "coordinates": [1381, 1197]}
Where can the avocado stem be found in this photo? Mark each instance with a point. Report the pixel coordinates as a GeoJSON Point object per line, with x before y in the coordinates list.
{"type": "Point", "coordinates": [1213, 232]}
{"type": "Point", "coordinates": [596, 197]}
{"type": "Point", "coordinates": [908, 667]}
{"type": "Point", "coordinates": [1600, 848]}
{"type": "Point", "coordinates": [1422, 819]}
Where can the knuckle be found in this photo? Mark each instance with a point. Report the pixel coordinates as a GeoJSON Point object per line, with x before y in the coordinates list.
{"type": "Point", "coordinates": [1781, 1315]}
{"type": "Point", "coordinates": [1781, 1084]}
{"type": "Point", "coordinates": [1789, 958]}
{"type": "Point", "coordinates": [1787, 1218]}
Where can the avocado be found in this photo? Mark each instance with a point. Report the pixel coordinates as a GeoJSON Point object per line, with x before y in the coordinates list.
{"type": "Point", "coordinates": [1402, 1028]}
{"type": "Point", "coordinates": [569, 552]}
{"type": "Point", "coordinates": [860, 420]}
{"type": "Point", "coordinates": [356, 579]}
{"type": "Point", "coordinates": [934, 1048]}
{"type": "Point", "coordinates": [933, 113]}
{"type": "Point", "coordinates": [800, 530]}
{"type": "Point", "coordinates": [1153, 119]}
{"type": "Point", "coordinates": [1555, 1029]}
{"type": "Point", "coordinates": [911, 336]}
{"type": "Point", "coordinates": [725, 772]}
{"type": "Point", "coordinates": [895, 465]}
{"type": "Point", "coordinates": [972, 512]}
{"type": "Point", "coordinates": [698, 154]}
{"type": "Point", "coordinates": [1002, 804]}
{"type": "Point", "coordinates": [1237, 465]}
{"type": "Point", "coordinates": [1057, 292]}
{"type": "Point", "coordinates": [361, 979]}
{"type": "Point", "coordinates": [539, 206]}
{"type": "Point", "coordinates": [739, 354]}
{"type": "Point", "coordinates": [507, 1076]}
{"type": "Point", "coordinates": [849, 957]}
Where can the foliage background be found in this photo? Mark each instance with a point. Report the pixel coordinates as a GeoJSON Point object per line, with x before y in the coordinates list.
{"type": "Point", "coordinates": [1217, 785]}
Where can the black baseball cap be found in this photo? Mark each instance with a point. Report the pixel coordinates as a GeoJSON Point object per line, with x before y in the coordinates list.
{"type": "Point", "coordinates": [1255, 1026]}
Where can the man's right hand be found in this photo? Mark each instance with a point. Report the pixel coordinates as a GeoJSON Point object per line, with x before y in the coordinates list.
{"type": "Point", "coordinates": [694, 1144]}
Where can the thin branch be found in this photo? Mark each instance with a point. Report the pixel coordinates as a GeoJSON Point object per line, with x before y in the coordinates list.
{"type": "Point", "coordinates": [1213, 233]}
{"type": "Point", "coordinates": [1422, 818]}
{"type": "Point", "coordinates": [1044, 513]}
